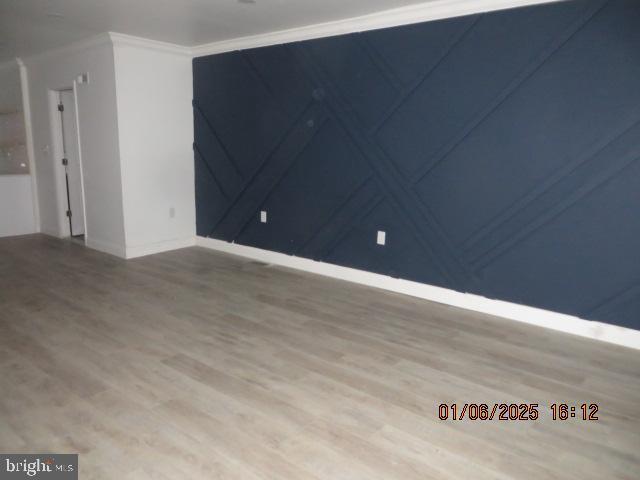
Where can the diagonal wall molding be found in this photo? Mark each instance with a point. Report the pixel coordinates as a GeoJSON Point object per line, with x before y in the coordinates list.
{"type": "Point", "coordinates": [390, 181]}
{"type": "Point", "coordinates": [555, 173]}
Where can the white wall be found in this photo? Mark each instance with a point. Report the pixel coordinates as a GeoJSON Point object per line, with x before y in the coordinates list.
{"type": "Point", "coordinates": [99, 145]}
{"type": "Point", "coordinates": [135, 134]}
{"type": "Point", "coordinates": [155, 122]}
{"type": "Point", "coordinates": [17, 215]}
{"type": "Point", "coordinates": [16, 205]}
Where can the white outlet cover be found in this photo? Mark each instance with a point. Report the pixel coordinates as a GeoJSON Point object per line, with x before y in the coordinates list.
{"type": "Point", "coordinates": [263, 216]}
{"type": "Point", "coordinates": [382, 237]}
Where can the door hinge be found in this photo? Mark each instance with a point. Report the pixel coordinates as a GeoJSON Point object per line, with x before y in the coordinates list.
{"type": "Point", "coordinates": [60, 107]}
{"type": "Point", "coordinates": [68, 213]}
{"type": "Point", "coordinates": [65, 162]}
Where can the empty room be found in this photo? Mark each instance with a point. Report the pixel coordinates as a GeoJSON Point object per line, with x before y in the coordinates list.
{"type": "Point", "coordinates": [320, 240]}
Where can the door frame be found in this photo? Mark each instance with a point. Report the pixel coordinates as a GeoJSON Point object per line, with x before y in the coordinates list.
{"type": "Point", "coordinates": [59, 171]}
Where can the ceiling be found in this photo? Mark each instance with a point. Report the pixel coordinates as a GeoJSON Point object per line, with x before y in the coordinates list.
{"type": "Point", "coordinates": [33, 26]}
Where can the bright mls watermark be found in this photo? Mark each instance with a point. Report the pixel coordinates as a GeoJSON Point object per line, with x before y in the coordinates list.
{"type": "Point", "coordinates": [50, 466]}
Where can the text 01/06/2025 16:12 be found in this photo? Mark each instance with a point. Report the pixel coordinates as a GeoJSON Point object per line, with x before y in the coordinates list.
{"type": "Point", "coordinates": [516, 411]}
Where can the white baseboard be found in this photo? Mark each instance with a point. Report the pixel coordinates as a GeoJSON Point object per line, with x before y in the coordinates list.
{"type": "Point", "coordinates": [106, 247]}
{"type": "Point", "coordinates": [140, 250]}
{"type": "Point", "coordinates": [158, 247]}
{"type": "Point", "coordinates": [521, 313]}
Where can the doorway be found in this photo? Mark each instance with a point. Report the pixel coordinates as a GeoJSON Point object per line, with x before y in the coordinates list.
{"type": "Point", "coordinates": [71, 163]}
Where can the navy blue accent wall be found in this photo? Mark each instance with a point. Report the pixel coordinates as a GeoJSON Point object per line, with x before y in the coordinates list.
{"type": "Point", "coordinates": [500, 153]}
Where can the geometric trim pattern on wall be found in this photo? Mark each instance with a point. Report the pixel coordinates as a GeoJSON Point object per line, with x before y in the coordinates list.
{"type": "Point", "coordinates": [499, 152]}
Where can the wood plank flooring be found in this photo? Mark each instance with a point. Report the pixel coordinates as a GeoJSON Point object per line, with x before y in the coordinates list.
{"type": "Point", "coordinates": [198, 365]}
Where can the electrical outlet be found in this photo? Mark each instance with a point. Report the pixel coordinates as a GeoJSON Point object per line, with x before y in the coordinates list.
{"type": "Point", "coordinates": [263, 216]}
{"type": "Point", "coordinates": [172, 212]}
{"type": "Point", "coordinates": [381, 238]}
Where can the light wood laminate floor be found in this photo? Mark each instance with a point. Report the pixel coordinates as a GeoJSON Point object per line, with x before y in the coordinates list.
{"type": "Point", "coordinates": [198, 365]}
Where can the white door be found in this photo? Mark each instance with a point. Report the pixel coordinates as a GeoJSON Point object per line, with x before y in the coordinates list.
{"type": "Point", "coordinates": [71, 161]}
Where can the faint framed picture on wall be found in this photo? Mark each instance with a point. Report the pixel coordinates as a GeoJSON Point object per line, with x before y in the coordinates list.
{"type": "Point", "coordinates": [13, 151]}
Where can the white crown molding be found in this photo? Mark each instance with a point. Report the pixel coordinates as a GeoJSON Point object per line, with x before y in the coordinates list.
{"type": "Point", "coordinates": [535, 316]}
{"type": "Point", "coordinates": [139, 42]}
{"type": "Point", "coordinates": [87, 43]}
{"type": "Point", "coordinates": [434, 10]}
{"type": "Point", "coordinates": [113, 38]}
{"type": "Point", "coordinates": [423, 12]}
